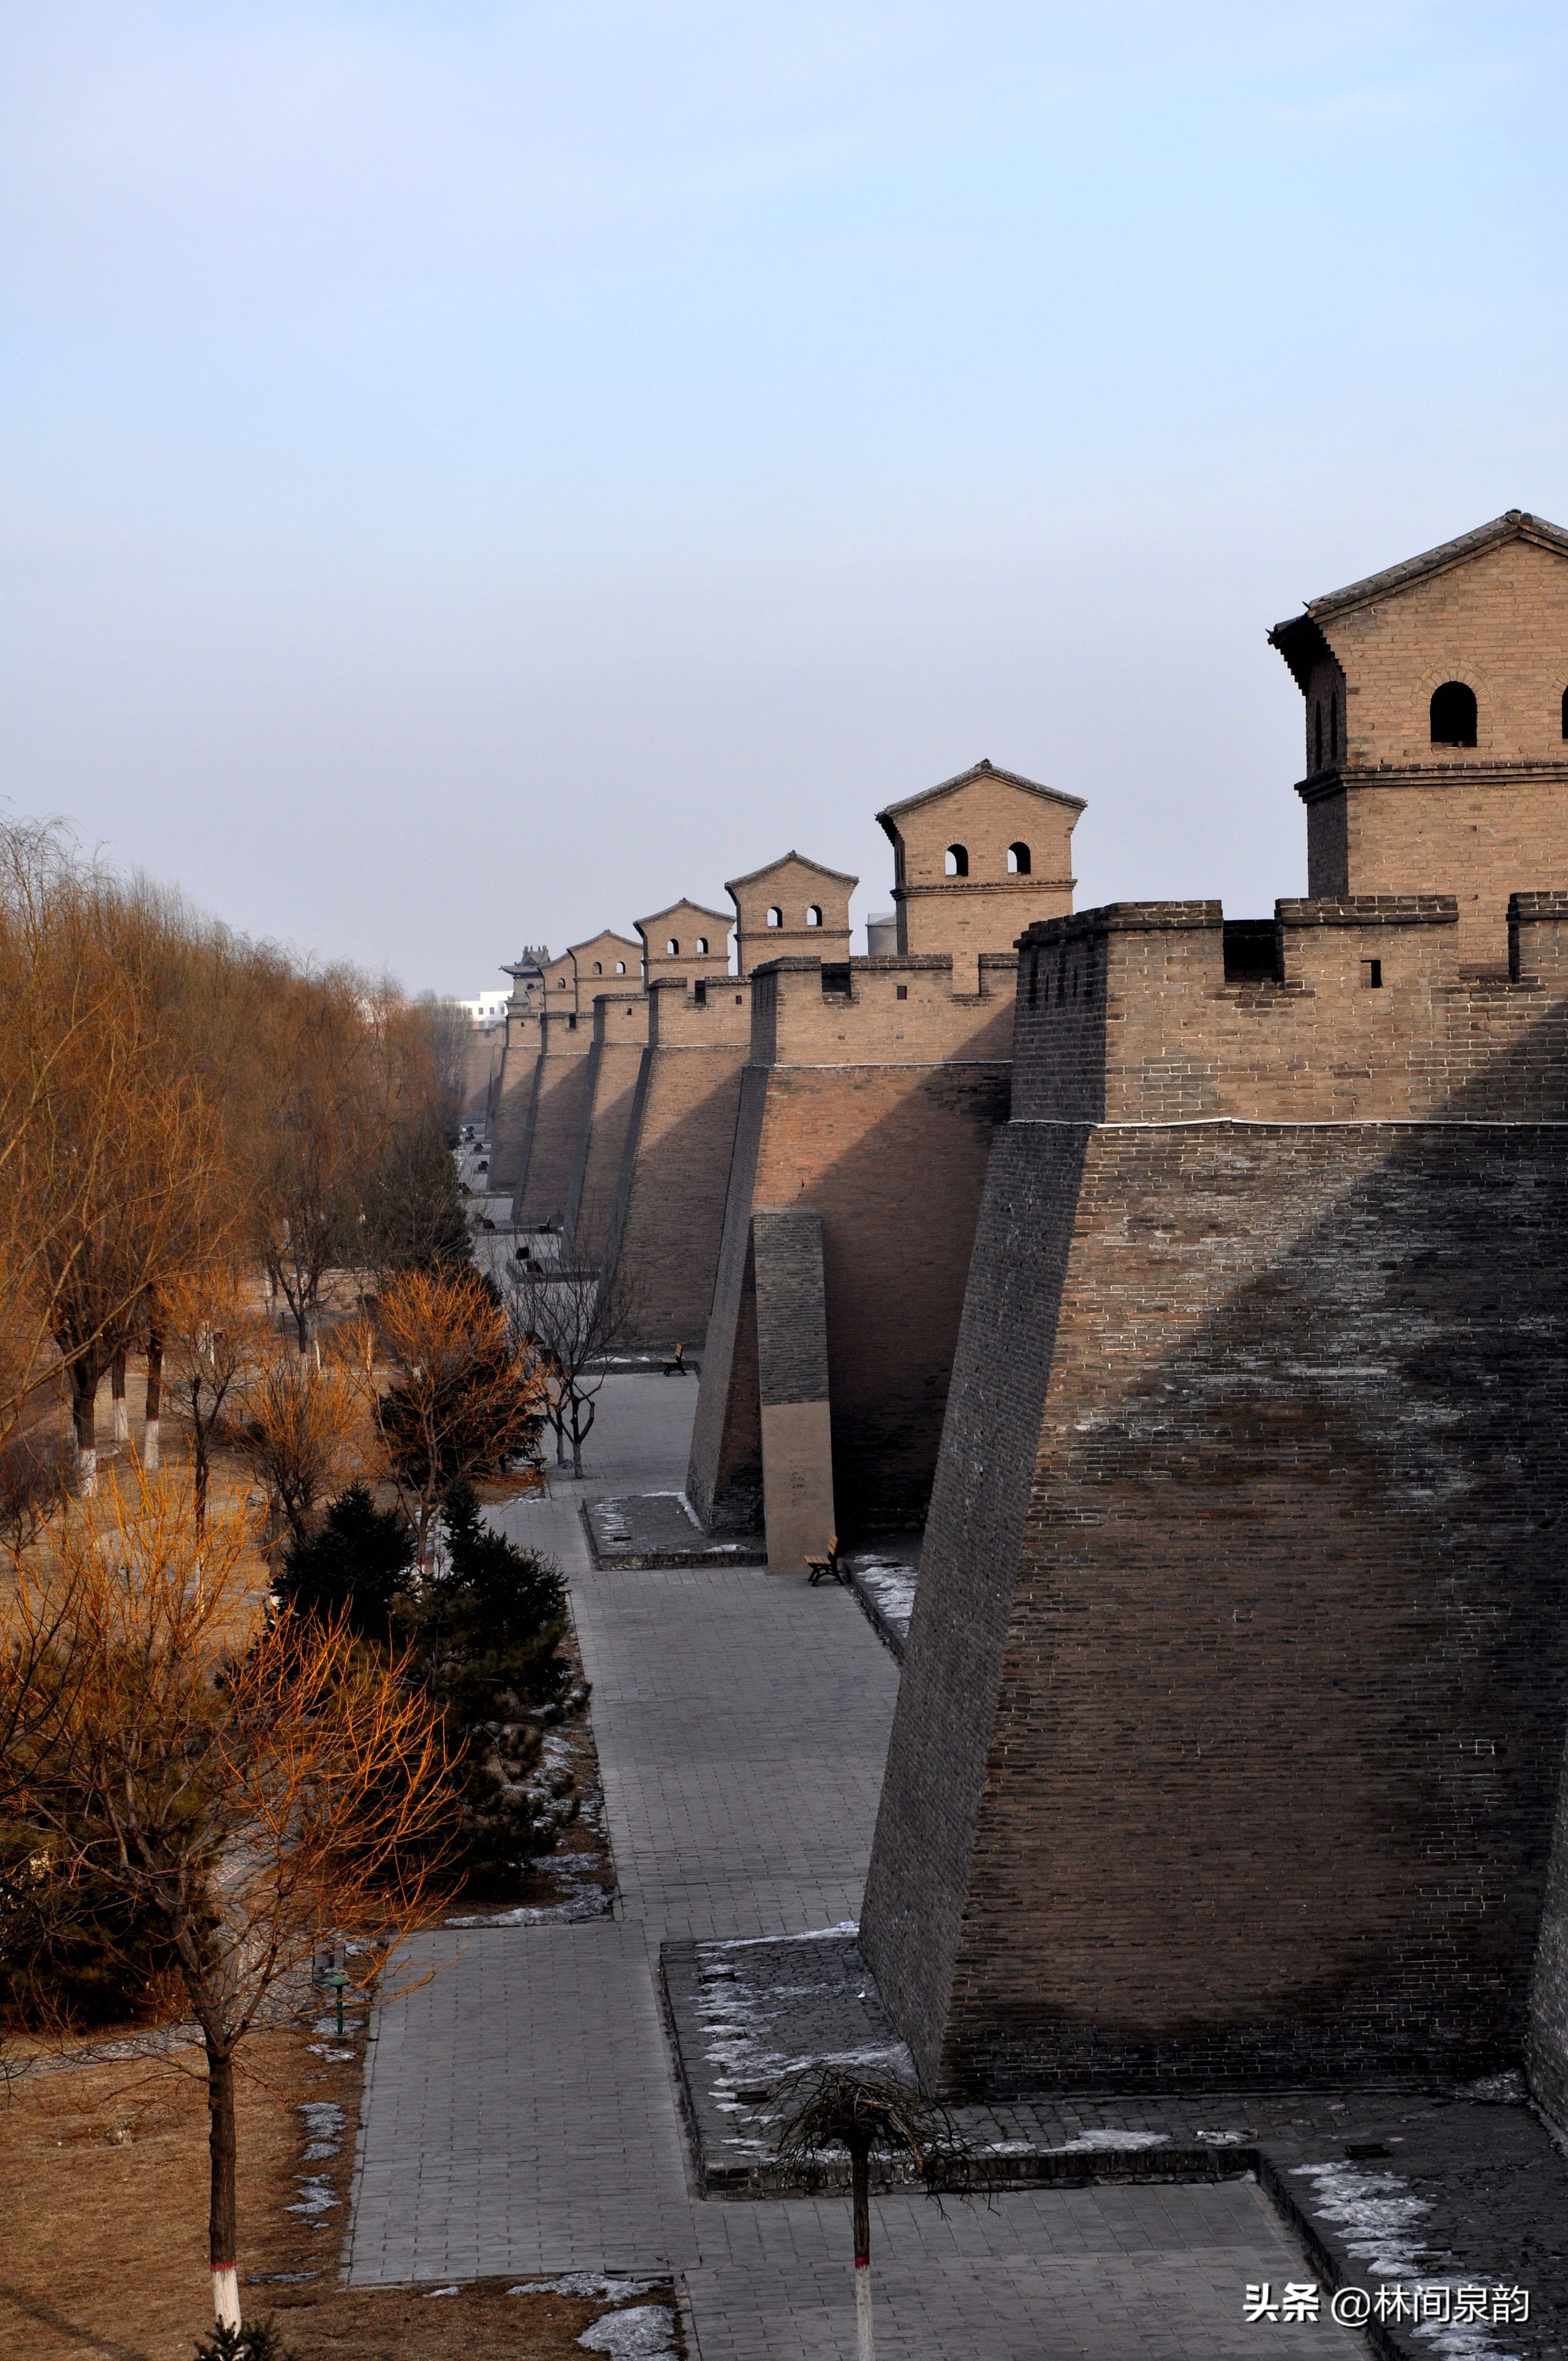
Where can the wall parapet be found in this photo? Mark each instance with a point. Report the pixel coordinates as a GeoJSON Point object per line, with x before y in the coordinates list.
{"type": "Point", "coordinates": [1160, 1012]}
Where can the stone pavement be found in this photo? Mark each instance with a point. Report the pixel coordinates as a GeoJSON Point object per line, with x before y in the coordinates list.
{"type": "Point", "coordinates": [1112, 2274]}
{"type": "Point", "coordinates": [519, 2116]}
{"type": "Point", "coordinates": [520, 2113]}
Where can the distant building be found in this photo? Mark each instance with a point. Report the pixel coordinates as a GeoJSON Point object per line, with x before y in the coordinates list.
{"type": "Point", "coordinates": [489, 1010]}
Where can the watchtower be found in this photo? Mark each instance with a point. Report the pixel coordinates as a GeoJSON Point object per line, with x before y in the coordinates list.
{"type": "Point", "coordinates": [793, 908]}
{"type": "Point", "coordinates": [978, 858]}
{"type": "Point", "coordinates": [527, 974]}
{"type": "Point", "coordinates": [686, 939]}
{"type": "Point", "coordinates": [603, 963]}
{"type": "Point", "coordinates": [1437, 726]}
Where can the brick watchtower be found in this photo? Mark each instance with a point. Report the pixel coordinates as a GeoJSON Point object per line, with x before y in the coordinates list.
{"type": "Point", "coordinates": [793, 908]}
{"type": "Point", "coordinates": [1437, 726]}
{"type": "Point", "coordinates": [978, 859]}
{"type": "Point", "coordinates": [686, 939]}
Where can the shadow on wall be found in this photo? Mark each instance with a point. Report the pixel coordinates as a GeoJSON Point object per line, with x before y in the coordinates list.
{"type": "Point", "coordinates": [893, 1159]}
{"type": "Point", "coordinates": [1231, 1727]}
{"type": "Point", "coordinates": [667, 1233]}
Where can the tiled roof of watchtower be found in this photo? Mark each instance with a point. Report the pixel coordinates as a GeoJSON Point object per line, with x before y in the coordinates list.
{"type": "Point", "coordinates": [841, 876]}
{"type": "Point", "coordinates": [984, 769]}
{"type": "Point", "coordinates": [1300, 638]}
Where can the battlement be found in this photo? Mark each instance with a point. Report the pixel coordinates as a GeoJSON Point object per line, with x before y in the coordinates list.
{"type": "Point", "coordinates": [1347, 1008]}
{"type": "Point", "coordinates": [701, 1012]}
{"type": "Point", "coordinates": [881, 1011]}
{"type": "Point", "coordinates": [620, 1020]}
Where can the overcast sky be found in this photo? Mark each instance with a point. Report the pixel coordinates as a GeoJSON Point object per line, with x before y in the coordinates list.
{"type": "Point", "coordinates": [475, 473]}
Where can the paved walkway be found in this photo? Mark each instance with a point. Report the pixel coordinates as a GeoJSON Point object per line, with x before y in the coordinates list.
{"type": "Point", "coordinates": [520, 2115]}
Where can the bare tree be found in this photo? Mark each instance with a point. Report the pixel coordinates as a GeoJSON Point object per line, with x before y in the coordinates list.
{"type": "Point", "coordinates": [573, 1320]}
{"type": "Point", "coordinates": [318, 1048]}
{"type": "Point", "coordinates": [868, 2115]}
{"type": "Point", "coordinates": [257, 1784]}
{"type": "Point", "coordinates": [448, 1031]}
{"type": "Point", "coordinates": [210, 1339]}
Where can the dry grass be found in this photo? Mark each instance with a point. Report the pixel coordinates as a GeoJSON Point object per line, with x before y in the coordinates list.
{"type": "Point", "coordinates": [102, 2190]}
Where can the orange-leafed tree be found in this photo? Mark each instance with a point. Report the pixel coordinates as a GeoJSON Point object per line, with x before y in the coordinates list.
{"type": "Point", "coordinates": [466, 1398]}
{"type": "Point", "coordinates": [304, 1431]}
{"type": "Point", "coordinates": [260, 1784]}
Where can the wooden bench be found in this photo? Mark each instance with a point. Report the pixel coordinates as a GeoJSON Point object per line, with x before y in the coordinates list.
{"type": "Point", "coordinates": [676, 1365]}
{"type": "Point", "coordinates": [818, 1567]}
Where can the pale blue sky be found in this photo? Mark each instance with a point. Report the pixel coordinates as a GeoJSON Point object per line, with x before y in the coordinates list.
{"type": "Point", "coordinates": [475, 473]}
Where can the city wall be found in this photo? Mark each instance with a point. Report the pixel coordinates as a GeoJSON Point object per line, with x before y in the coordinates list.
{"type": "Point", "coordinates": [617, 1053]}
{"type": "Point", "coordinates": [870, 1096]}
{"type": "Point", "coordinates": [1230, 1733]}
{"type": "Point", "coordinates": [668, 1212]}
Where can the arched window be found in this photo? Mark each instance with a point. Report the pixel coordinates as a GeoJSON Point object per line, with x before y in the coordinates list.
{"type": "Point", "coordinates": [702, 946]}
{"type": "Point", "coordinates": [775, 917]}
{"type": "Point", "coordinates": [1317, 737]}
{"type": "Point", "coordinates": [1565, 713]}
{"type": "Point", "coordinates": [958, 861]}
{"type": "Point", "coordinates": [1454, 715]}
{"type": "Point", "coordinates": [598, 967]}
{"type": "Point", "coordinates": [1018, 861]}
{"type": "Point", "coordinates": [1333, 726]}
{"type": "Point", "coordinates": [814, 916]}
{"type": "Point", "coordinates": [560, 984]}
{"type": "Point", "coordinates": [620, 967]}
{"type": "Point", "coordinates": [673, 947]}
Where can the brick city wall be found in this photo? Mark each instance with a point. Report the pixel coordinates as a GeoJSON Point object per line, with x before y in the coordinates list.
{"type": "Point", "coordinates": [512, 1108]}
{"type": "Point", "coordinates": [669, 1209]}
{"type": "Point", "coordinates": [481, 1070]}
{"type": "Point", "coordinates": [544, 1181]}
{"type": "Point", "coordinates": [616, 1058]}
{"type": "Point", "coordinates": [1231, 1724]}
{"type": "Point", "coordinates": [878, 1113]}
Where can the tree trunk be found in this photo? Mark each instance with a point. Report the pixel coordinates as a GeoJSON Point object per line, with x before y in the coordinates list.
{"type": "Point", "coordinates": [121, 1415]}
{"type": "Point", "coordinates": [220, 2239]}
{"type": "Point", "coordinates": [861, 2197]}
{"type": "Point", "coordinates": [302, 1328]}
{"type": "Point", "coordinates": [83, 1412]}
{"type": "Point", "coordinates": [151, 1428]}
{"type": "Point", "coordinates": [199, 1441]}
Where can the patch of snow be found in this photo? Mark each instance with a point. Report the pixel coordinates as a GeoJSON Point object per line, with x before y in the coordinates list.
{"type": "Point", "coordinates": [435, 2291]}
{"type": "Point", "coordinates": [1374, 2213]}
{"type": "Point", "coordinates": [1497, 2090]}
{"type": "Point", "coordinates": [333, 2057]}
{"type": "Point", "coordinates": [810, 1935]}
{"type": "Point", "coordinates": [315, 2197]}
{"type": "Point", "coordinates": [646, 2333]}
{"type": "Point", "coordinates": [605, 2286]}
{"type": "Point", "coordinates": [1110, 2136]}
{"type": "Point", "coordinates": [1225, 2140]}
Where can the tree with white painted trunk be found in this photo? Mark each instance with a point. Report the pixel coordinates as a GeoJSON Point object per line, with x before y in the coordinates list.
{"type": "Point", "coordinates": [259, 1782]}
{"type": "Point", "coordinates": [869, 2117]}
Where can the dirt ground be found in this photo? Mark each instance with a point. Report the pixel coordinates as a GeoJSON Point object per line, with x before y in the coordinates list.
{"type": "Point", "coordinates": [102, 2195]}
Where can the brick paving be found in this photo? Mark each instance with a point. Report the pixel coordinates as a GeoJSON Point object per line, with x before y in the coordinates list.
{"type": "Point", "coordinates": [520, 2113]}
{"type": "Point", "coordinates": [1117, 2275]}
